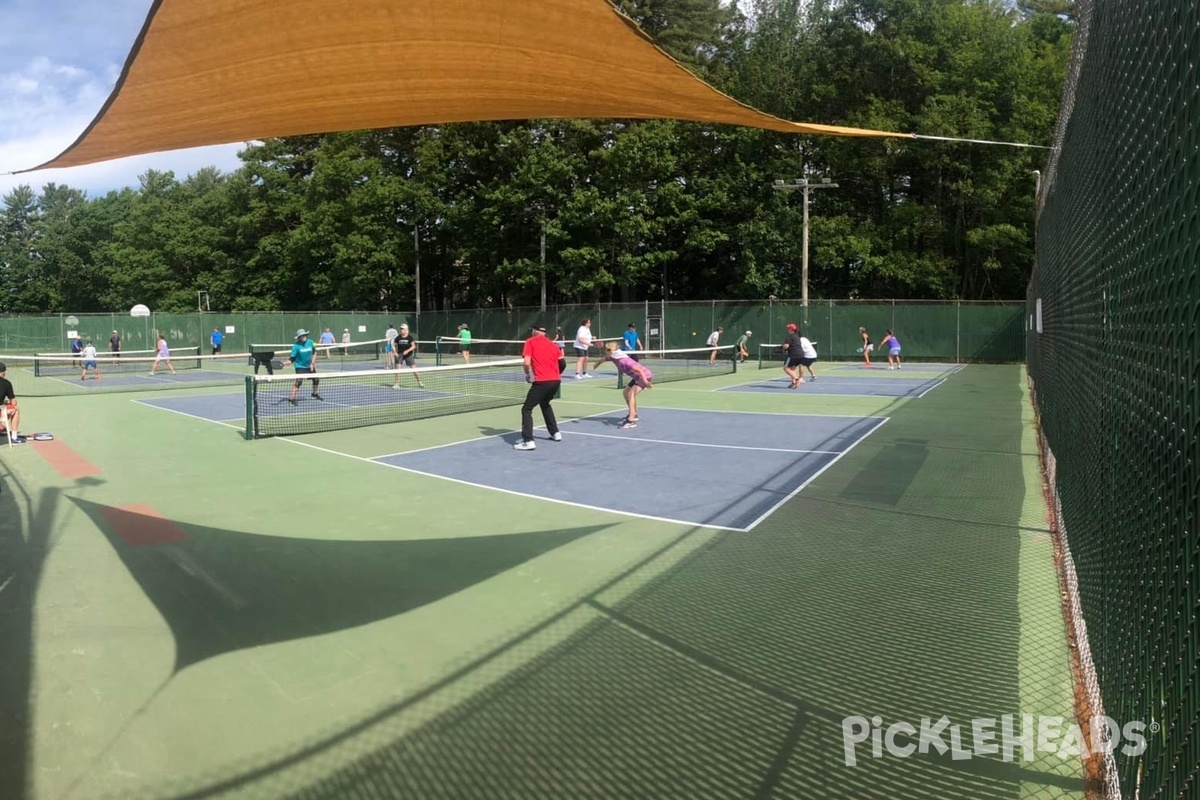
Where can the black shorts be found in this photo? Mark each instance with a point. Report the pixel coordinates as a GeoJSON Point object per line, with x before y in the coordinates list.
{"type": "Point", "coordinates": [216, 348]}
{"type": "Point", "coordinates": [806, 362]}
{"type": "Point", "coordinates": [790, 362]}
{"type": "Point", "coordinates": [580, 352]}
{"type": "Point", "coordinates": [301, 372]}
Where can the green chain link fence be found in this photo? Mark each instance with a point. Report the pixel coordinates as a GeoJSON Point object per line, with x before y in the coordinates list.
{"type": "Point", "coordinates": [943, 331]}
{"type": "Point", "coordinates": [1114, 362]}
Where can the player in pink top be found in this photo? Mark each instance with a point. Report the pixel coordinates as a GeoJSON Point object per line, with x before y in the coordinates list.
{"type": "Point", "coordinates": [640, 377]}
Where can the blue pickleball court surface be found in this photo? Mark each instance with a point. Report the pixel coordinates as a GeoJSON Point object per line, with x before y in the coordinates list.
{"type": "Point", "coordinates": [717, 469]}
{"type": "Point", "coordinates": [890, 386]}
{"type": "Point", "coordinates": [880, 365]}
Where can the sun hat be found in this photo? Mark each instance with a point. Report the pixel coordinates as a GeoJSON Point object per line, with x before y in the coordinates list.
{"type": "Point", "coordinates": [301, 332]}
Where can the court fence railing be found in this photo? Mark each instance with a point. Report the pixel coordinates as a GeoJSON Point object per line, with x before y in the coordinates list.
{"type": "Point", "coordinates": [1114, 370]}
{"type": "Point", "coordinates": [956, 331]}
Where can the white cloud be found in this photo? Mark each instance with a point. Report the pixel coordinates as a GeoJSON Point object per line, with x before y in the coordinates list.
{"type": "Point", "coordinates": [59, 61]}
{"type": "Point", "coordinates": [99, 179]}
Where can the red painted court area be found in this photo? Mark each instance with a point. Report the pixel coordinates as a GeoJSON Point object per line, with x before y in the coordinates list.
{"type": "Point", "coordinates": [139, 525]}
{"type": "Point", "coordinates": [68, 463]}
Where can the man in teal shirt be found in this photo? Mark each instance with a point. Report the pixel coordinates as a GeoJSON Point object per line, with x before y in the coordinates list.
{"type": "Point", "coordinates": [304, 357]}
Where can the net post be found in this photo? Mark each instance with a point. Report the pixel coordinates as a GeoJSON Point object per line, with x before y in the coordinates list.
{"type": "Point", "coordinates": [249, 432]}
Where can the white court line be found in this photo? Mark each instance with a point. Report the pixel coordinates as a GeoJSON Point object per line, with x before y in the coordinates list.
{"type": "Point", "coordinates": [509, 491]}
{"type": "Point", "coordinates": [700, 444]}
{"type": "Point", "coordinates": [241, 427]}
{"type": "Point", "coordinates": [374, 460]}
{"type": "Point", "coordinates": [7, 581]}
{"type": "Point", "coordinates": [816, 475]}
{"type": "Point", "coordinates": [481, 438]}
{"type": "Point", "coordinates": [730, 411]}
{"type": "Point", "coordinates": [931, 388]}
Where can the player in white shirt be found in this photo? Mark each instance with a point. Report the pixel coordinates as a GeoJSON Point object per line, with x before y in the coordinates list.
{"type": "Point", "coordinates": [810, 355]}
{"type": "Point", "coordinates": [89, 360]}
{"type": "Point", "coordinates": [583, 341]}
{"type": "Point", "coordinates": [713, 339]}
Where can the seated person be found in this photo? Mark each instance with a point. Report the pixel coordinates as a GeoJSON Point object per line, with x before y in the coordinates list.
{"type": "Point", "coordinates": [9, 399]}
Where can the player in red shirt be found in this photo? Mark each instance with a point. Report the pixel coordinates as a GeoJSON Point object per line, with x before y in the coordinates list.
{"type": "Point", "coordinates": [544, 376]}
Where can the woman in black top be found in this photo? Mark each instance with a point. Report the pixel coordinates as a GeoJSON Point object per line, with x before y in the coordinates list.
{"type": "Point", "coordinates": [793, 352]}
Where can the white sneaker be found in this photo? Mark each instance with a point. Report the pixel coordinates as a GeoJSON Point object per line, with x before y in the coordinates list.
{"type": "Point", "coordinates": [524, 446]}
{"type": "Point", "coordinates": [589, 375]}
{"type": "Point", "coordinates": [556, 437]}
{"type": "Point", "coordinates": [578, 377]}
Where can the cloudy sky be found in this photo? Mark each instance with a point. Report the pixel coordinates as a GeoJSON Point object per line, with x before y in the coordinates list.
{"type": "Point", "coordinates": [59, 60]}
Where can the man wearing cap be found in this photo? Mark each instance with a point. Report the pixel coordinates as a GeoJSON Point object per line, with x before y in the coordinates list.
{"type": "Point", "coordinates": [742, 352]}
{"type": "Point", "coordinates": [406, 355]}
{"type": "Point", "coordinates": [9, 398]}
{"type": "Point", "coordinates": [544, 378]}
{"type": "Point", "coordinates": [793, 355]}
{"type": "Point", "coordinates": [304, 357]}
{"type": "Point", "coordinates": [114, 344]}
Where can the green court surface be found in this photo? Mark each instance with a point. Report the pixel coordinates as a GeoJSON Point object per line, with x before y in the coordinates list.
{"type": "Point", "coordinates": [213, 617]}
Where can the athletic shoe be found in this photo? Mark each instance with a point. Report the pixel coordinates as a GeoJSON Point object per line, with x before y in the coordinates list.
{"type": "Point", "coordinates": [524, 446]}
{"type": "Point", "coordinates": [578, 377]}
{"type": "Point", "coordinates": [316, 396]}
{"type": "Point", "coordinates": [292, 400]}
{"type": "Point", "coordinates": [589, 375]}
{"type": "Point", "coordinates": [629, 423]}
{"type": "Point", "coordinates": [556, 437]}
{"type": "Point", "coordinates": [397, 386]}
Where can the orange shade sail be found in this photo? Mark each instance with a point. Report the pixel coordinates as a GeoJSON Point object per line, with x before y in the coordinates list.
{"type": "Point", "coordinates": [206, 72]}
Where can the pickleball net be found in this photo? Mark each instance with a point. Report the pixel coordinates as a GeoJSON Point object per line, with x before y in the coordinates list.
{"type": "Point", "coordinates": [343, 400]}
{"type": "Point", "coordinates": [367, 351]}
{"type": "Point", "coordinates": [450, 350]}
{"type": "Point", "coordinates": [57, 364]}
{"type": "Point", "coordinates": [676, 365]}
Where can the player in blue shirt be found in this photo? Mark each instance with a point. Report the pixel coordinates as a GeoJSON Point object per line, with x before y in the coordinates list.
{"type": "Point", "coordinates": [631, 342]}
{"type": "Point", "coordinates": [216, 339]}
{"type": "Point", "coordinates": [304, 357]}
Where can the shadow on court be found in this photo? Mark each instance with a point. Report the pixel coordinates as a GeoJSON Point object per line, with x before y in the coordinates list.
{"type": "Point", "coordinates": [728, 674]}
{"type": "Point", "coordinates": [221, 590]}
{"type": "Point", "coordinates": [26, 528]}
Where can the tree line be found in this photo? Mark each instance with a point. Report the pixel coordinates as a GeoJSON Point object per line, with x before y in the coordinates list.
{"type": "Point", "coordinates": [495, 214]}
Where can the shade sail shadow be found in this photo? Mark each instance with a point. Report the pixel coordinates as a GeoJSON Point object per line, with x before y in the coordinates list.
{"type": "Point", "coordinates": [221, 591]}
